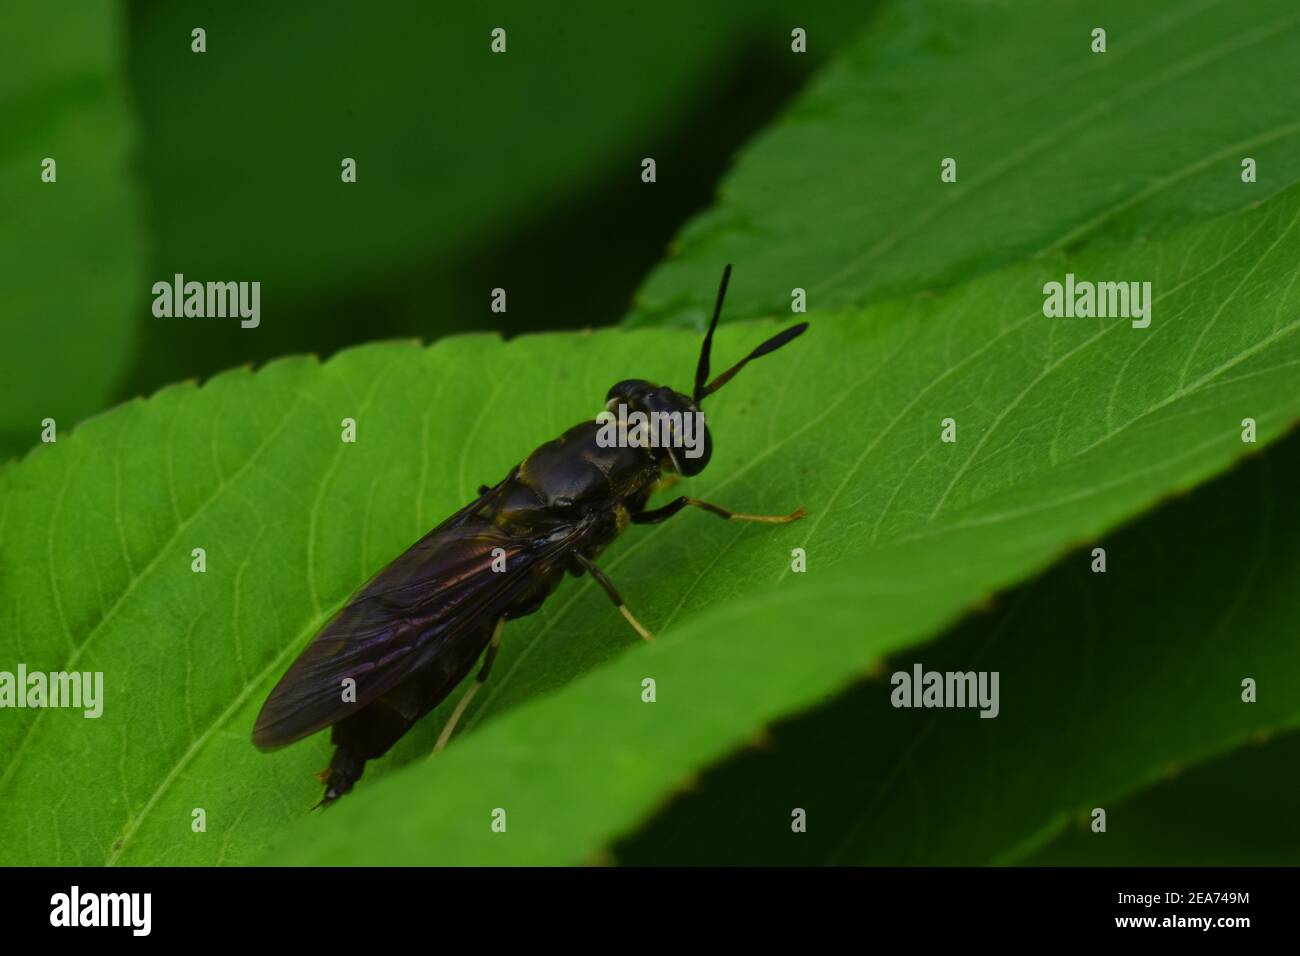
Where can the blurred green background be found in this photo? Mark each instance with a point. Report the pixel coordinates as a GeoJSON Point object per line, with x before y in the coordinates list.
{"type": "Point", "coordinates": [475, 170]}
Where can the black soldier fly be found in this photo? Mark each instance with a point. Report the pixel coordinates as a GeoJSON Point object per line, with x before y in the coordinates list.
{"type": "Point", "coordinates": [412, 634]}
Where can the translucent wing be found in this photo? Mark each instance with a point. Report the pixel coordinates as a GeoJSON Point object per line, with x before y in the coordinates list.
{"type": "Point", "coordinates": [422, 610]}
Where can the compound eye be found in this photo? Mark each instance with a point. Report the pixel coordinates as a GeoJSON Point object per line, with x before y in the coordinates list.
{"type": "Point", "coordinates": [693, 466]}
{"type": "Point", "coordinates": [626, 390]}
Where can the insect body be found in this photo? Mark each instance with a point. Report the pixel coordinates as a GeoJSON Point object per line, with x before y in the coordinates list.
{"type": "Point", "coordinates": [411, 635]}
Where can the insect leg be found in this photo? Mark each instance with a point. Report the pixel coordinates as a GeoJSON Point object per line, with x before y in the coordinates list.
{"type": "Point", "coordinates": [677, 504]}
{"type": "Point", "coordinates": [722, 512]}
{"type": "Point", "coordinates": [488, 657]}
{"type": "Point", "coordinates": [612, 591]}
{"type": "Point", "coordinates": [656, 515]}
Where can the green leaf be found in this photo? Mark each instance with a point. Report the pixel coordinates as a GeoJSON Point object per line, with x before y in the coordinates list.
{"type": "Point", "coordinates": [1055, 146]}
{"type": "Point", "coordinates": [70, 252]}
{"type": "Point", "coordinates": [1109, 684]}
{"type": "Point", "coordinates": [1068, 427]}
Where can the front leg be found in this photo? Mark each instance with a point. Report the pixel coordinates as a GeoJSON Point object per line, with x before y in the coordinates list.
{"type": "Point", "coordinates": [677, 504]}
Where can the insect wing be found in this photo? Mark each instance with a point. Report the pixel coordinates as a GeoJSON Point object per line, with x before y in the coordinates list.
{"type": "Point", "coordinates": [442, 591]}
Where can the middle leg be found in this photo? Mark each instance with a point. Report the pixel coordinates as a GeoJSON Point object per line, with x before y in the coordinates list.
{"type": "Point", "coordinates": [599, 576]}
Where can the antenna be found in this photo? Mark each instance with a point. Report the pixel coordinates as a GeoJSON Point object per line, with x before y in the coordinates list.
{"type": "Point", "coordinates": [702, 369]}
{"type": "Point", "coordinates": [771, 345]}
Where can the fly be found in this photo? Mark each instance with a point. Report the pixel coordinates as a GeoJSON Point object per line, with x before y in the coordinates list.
{"type": "Point", "coordinates": [416, 630]}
